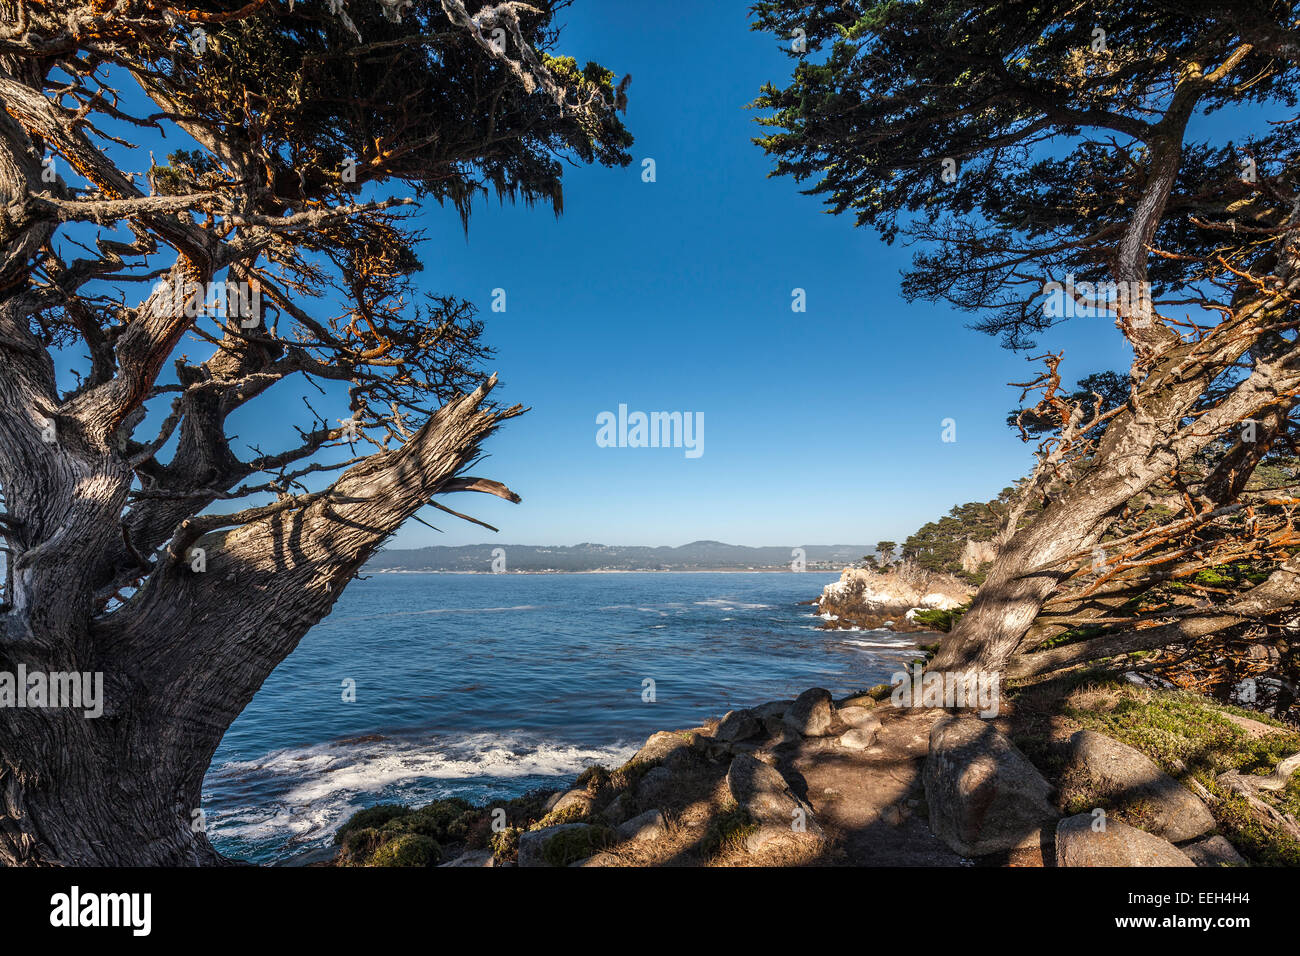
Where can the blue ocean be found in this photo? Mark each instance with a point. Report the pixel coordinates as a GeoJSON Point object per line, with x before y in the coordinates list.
{"type": "Point", "coordinates": [421, 686]}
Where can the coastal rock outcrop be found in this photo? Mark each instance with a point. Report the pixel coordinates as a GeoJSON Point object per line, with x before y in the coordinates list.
{"type": "Point", "coordinates": [1117, 775]}
{"type": "Point", "coordinates": [661, 745]}
{"type": "Point", "coordinates": [655, 787]}
{"type": "Point", "coordinates": [648, 826]}
{"type": "Point", "coordinates": [862, 723]}
{"type": "Point", "coordinates": [983, 793]}
{"type": "Point", "coordinates": [1080, 841]}
{"type": "Point", "coordinates": [976, 554]}
{"type": "Point", "coordinates": [572, 801]}
{"type": "Point", "coordinates": [867, 599]}
{"type": "Point", "coordinates": [773, 708]}
{"type": "Point", "coordinates": [562, 844]}
{"type": "Point", "coordinates": [765, 794]}
{"type": "Point", "coordinates": [737, 725]}
{"type": "Point", "coordinates": [858, 717]}
{"type": "Point", "coordinates": [1213, 851]}
{"type": "Point", "coordinates": [811, 714]}
{"type": "Point", "coordinates": [859, 738]}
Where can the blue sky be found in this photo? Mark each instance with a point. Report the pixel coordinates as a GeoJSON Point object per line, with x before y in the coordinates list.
{"type": "Point", "coordinates": [819, 427]}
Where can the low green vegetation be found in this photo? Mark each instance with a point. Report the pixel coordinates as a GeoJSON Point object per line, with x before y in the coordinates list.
{"type": "Point", "coordinates": [593, 778]}
{"type": "Point", "coordinates": [939, 620]}
{"type": "Point", "coordinates": [407, 849]}
{"type": "Point", "coordinates": [1231, 576]}
{"type": "Point", "coordinates": [573, 813]}
{"type": "Point", "coordinates": [729, 830]}
{"type": "Point", "coordinates": [505, 844]}
{"type": "Point", "coordinates": [370, 818]}
{"type": "Point", "coordinates": [396, 835]}
{"type": "Point", "coordinates": [570, 846]}
{"type": "Point", "coordinates": [1187, 735]}
{"type": "Point", "coordinates": [629, 775]}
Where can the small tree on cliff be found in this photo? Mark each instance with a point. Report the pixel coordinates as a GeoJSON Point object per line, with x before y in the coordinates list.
{"type": "Point", "coordinates": [186, 579]}
{"type": "Point", "coordinates": [1053, 160]}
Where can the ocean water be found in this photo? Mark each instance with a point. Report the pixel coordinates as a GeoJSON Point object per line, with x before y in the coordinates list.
{"type": "Point", "coordinates": [488, 685]}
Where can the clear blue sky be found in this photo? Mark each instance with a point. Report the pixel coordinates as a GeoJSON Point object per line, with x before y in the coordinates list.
{"type": "Point", "coordinates": [821, 427]}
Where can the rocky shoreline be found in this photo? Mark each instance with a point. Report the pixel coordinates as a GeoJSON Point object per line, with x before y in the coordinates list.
{"type": "Point", "coordinates": [902, 599]}
{"type": "Point", "coordinates": [865, 781]}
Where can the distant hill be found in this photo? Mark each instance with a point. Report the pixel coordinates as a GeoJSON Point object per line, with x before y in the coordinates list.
{"type": "Point", "coordinates": [696, 556]}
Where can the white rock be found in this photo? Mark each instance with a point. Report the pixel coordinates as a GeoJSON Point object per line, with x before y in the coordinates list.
{"type": "Point", "coordinates": [859, 738]}
{"type": "Point", "coordinates": [858, 717]}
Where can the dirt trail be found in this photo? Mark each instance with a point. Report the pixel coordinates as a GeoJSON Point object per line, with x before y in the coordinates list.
{"type": "Point", "coordinates": [871, 802]}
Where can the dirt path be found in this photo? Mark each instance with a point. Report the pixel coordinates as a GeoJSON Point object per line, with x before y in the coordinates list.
{"type": "Point", "coordinates": [872, 802]}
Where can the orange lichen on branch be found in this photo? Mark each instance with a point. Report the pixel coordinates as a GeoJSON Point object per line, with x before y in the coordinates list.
{"type": "Point", "coordinates": [199, 16]}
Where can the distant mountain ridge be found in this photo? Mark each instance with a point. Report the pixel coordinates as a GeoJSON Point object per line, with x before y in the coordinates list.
{"type": "Point", "coordinates": [696, 556]}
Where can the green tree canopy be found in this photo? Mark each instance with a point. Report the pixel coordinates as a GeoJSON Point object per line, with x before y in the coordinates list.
{"type": "Point", "coordinates": [1050, 126]}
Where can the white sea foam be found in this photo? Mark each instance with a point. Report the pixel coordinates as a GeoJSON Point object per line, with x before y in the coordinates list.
{"type": "Point", "coordinates": [653, 608]}
{"type": "Point", "coordinates": [318, 787]}
{"type": "Point", "coordinates": [727, 605]}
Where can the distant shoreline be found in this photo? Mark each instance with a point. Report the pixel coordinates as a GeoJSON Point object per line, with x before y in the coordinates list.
{"type": "Point", "coordinates": [612, 571]}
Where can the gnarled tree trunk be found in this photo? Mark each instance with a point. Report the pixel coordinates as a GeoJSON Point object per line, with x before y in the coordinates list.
{"type": "Point", "coordinates": [117, 565]}
{"type": "Point", "coordinates": [183, 657]}
{"type": "Point", "coordinates": [1142, 445]}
